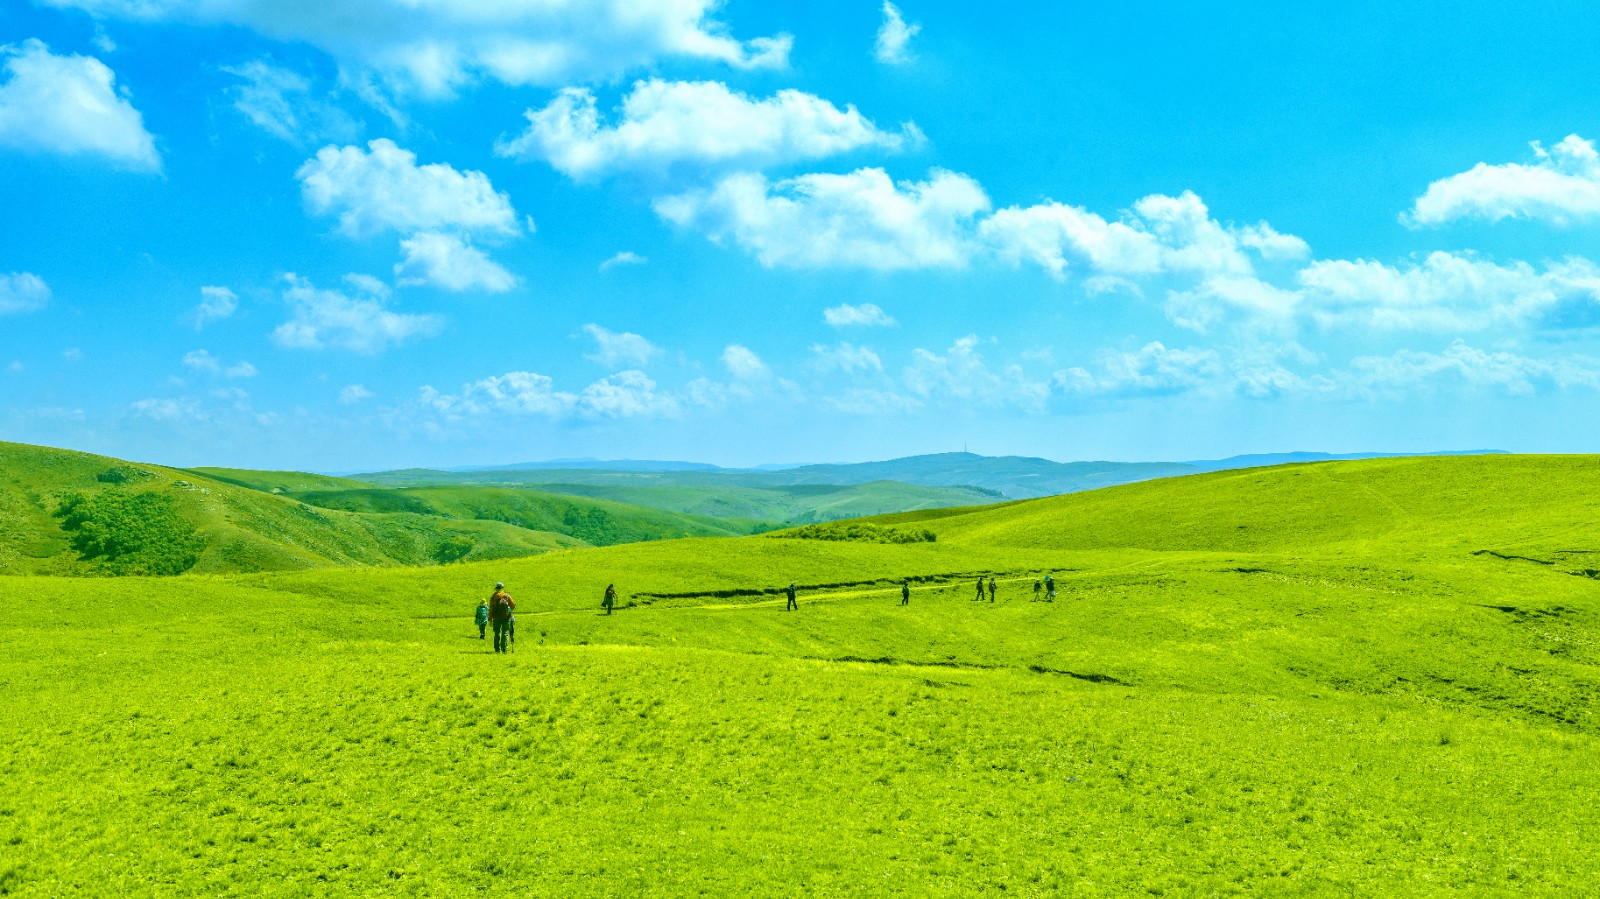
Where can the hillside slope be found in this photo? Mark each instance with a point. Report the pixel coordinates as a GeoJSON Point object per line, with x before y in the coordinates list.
{"type": "Point", "coordinates": [134, 518]}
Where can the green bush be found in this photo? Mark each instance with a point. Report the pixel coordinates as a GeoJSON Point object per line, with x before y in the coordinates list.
{"type": "Point", "coordinates": [453, 549]}
{"type": "Point", "coordinates": [861, 533]}
{"type": "Point", "coordinates": [130, 533]}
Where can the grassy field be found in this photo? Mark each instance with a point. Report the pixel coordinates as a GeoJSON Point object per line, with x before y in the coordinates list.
{"type": "Point", "coordinates": [1344, 679]}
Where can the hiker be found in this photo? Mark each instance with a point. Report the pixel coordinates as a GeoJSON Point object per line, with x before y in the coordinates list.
{"type": "Point", "coordinates": [611, 598]}
{"type": "Point", "coordinates": [1037, 586]}
{"type": "Point", "coordinates": [991, 588]}
{"type": "Point", "coordinates": [905, 593]}
{"type": "Point", "coordinates": [482, 618]}
{"type": "Point", "coordinates": [979, 597]}
{"type": "Point", "coordinates": [501, 606]}
{"type": "Point", "coordinates": [792, 605]}
{"type": "Point", "coordinates": [1049, 588]}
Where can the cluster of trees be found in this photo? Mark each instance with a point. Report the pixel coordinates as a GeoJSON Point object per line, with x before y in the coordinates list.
{"type": "Point", "coordinates": [862, 533]}
{"type": "Point", "coordinates": [130, 533]}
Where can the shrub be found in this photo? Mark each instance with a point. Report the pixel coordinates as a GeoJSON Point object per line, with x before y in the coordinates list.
{"type": "Point", "coordinates": [861, 533]}
{"type": "Point", "coordinates": [130, 533]}
{"type": "Point", "coordinates": [453, 549]}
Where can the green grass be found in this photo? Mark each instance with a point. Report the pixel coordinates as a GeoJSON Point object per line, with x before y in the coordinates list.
{"type": "Point", "coordinates": [1372, 678]}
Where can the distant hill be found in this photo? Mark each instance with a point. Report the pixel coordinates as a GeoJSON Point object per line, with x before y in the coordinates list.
{"type": "Point", "coordinates": [1001, 477]}
{"type": "Point", "coordinates": [65, 512]}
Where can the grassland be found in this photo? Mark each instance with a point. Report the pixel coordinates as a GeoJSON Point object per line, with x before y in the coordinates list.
{"type": "Point", "coordinates": [1345, 679]}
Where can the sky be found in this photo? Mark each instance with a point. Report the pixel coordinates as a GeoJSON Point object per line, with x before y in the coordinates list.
{"type": "Point", "coordinates": [373, 234]}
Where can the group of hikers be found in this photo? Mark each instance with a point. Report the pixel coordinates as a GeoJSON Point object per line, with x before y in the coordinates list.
{"type": "Point", "coordinates": [500, 610]}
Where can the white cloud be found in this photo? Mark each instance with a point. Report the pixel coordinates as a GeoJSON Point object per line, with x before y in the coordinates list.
{"type": "Point", "coordinates": [354, 393]}
{"type": "Point", "coordinates": [22, 292]}
{"type": "Point", "coordinates": [1562, 184]}
{"type": "Point", "coordinates": [382, 189]}
{"type": "Point", "coordinates": [894, 37]}
{"type": "Point", "coordinates": [1215, 298]}
{"type": "Point", "coordinates": [324, 319]}
{"type": "Point", "coordinates": [1159, 235]}
{"type": "Point", "coordinates": [240, 370]}
{"type": "Point", "coordinates": [450, 262]}
{"type": "Point", "coordinates": [628, 394]}
{"type": "Point", "coordinates": [961, 374]}
{"type": "Point", "coordinates": [612, 348]}
{"type": "Point", "coordinates": [871, 401]}
{"type": "Point", "coordinates": [169, 411]}
{"type": "Point", "coordinates": [862, 219]}
{"type": "Point", "coordinates": [216, 303]}
{"type": "Point", "coordinates": [626, 257]}
{"type": "Point", "coordinates": [434, 47]}
{"type": "Point", "coordinates": [743, 364]}
{"type": "Point", "coordinates": [201, 360]}
{"type": "Point", "coordinates": [1411, 370]}
{"type": "Point", "coordinates": [1149, 371]}
{"type": "Point", "coordinates": [282, 103]}
{"type": "Point", "coordinates": [70, 105]}
{"type": "Point", "coordinates": [1447, 291]}
{"type": "Point", "coordinates": [846, 357]}
{"type": "Point", "coordinates": [662, 124]}
{"type": "Point", "coordinates": [865, 315]}
{"type": "Point", "coordinates": [72, 354]}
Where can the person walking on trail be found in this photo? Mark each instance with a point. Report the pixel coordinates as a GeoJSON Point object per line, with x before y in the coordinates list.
{"type": "Point", "coordinates": [979, 597]}
{"type": "Point", "coordinates": [482, 618]}
{"type": "Point", "coordinates": [611, 598]}
{"type": "Point", "coordinates": [792, 605]}
{"type": "Point", "coordinates": [1049, 588]}
{"type": "Point", "coordinates": [1038, 585]}
{"type": "Point", "coordinates": [501, 606]}
{"type": "Point", "coordinates": [991, 588]}
{"type": "Point", "coordinates": [905, 593]}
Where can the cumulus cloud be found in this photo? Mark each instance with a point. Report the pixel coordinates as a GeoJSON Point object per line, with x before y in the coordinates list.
{"type": "Point", "coordinates": [1152, 370]}
{"type": "Point", "coordinates": [169, 411]}
{"type": "Point", "coordinates": [70, 105]}
{"type": "Point", "coordinates": [434, 47]}
{"type": "Point", "coordinates": [626, 257]}
{"type": "Point", "coordinates": [383, 189]}
{"type": "Point", "coordinates": [628, 394]}
{"type": "Point", "coordinates": [960, 374]}
{"type": "Point", "coordinates": [1408, 370]}
{"type": "Point", "coordinates": [1560, 185]}
{"type": "Point", "coordinates": [450, 262]}
{"type": "Point", "coordinates": [353, 393]}
{"type": "Point", "coordinates": [743, 363]}
{"type": "Point", "coordinates": [283, 103]}
{"type": "Point", "coordinates": [1159, 235]}
{"type": "Point", "coordinates": [847, 358]}
{"type": "Point", "coordinates": [22, 292]}
{"type": "Point", "coordinates": [862, 219]}
{"type": "Point", "coordinates": [216, 304]}
{"type": "Point", "coordinates": [1452, 292]}
{"type": "Point", "coordinates": [894, 37]}
{"type": "Point", "coordinates": [612, 348]}
{"type": "Point", "coordinates": [324, 319]}
{"type": "Point", "coordinates": [662, 124]}
{"type": "Point", "coordinates": [865, 315]}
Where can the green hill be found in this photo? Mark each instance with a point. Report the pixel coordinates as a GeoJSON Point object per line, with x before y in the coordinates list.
{"type": "Point", "coordinates": [1353, 678]}
{"type": "Point", "coordinates": [64, 512]}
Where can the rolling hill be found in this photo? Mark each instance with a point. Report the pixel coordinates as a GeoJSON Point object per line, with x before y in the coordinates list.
{"type": "Point", "coordinates": [64, 512]}
{"type": "Point", "coordinates": [1348, 678]}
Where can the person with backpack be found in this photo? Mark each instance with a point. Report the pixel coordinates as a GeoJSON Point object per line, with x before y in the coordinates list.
{"type": "Point", "coordinates": [991, 588]}
{"type": "Point", "coordinates": [501, 607]}
{"type": "Point", "coordinates": [482, 618]}
{"type": "Point", "coordinates": [1038, 585]}
{"type": "Point", "coordinates": [979, 597]}
{"type": "Point", "coordinates": [905, 593]}
{"type": "Point", "coordinates": [792, 605]}
{"type": "Point", "coordinates": [611, 598]}
{"type": "Point", "coordinates": [1049, 588]}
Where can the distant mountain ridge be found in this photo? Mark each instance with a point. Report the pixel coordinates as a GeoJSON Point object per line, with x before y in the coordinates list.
{"type": "Point", "coordinates": [1008, 477]}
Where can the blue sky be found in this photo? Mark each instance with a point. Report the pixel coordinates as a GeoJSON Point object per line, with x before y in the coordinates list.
{"type": "Point", "coordinates": [380, 234]}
